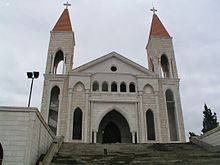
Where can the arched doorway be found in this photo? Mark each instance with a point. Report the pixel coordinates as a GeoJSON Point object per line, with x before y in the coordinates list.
{"type": "Point", "coordinates": [114, 128]}
{"type": "Point", "coordinates": [111, 134]}
{"type": "Point", "coordinates": [77, 124]}
{"type": "Point", "coordinates": [1, 154]}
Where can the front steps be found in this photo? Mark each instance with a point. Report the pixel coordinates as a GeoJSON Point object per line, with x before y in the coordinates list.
{"type": "Point", "coordinates": [143, 154]}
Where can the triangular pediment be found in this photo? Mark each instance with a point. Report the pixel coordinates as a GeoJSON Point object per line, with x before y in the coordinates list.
{"type": "Point", "coordinates": [105, 63]}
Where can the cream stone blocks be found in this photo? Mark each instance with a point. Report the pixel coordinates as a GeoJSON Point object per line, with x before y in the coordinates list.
{"type": "Point", "coordinates": [212, 137]}
{"type": "Point", "coordinates": [24, 135]}
{"type": "Point", "coordinates": [77, 92]}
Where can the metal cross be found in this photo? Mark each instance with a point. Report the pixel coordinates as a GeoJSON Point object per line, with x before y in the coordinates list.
{"type": "Point", "coordinates": [67, 4]}
{"type": "Point", "coordinates": [153, 10]}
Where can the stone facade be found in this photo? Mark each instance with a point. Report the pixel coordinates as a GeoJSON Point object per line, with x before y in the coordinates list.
{"type": "Point", "coordinates": [24, 135]}
{"type": "Point", "coordinates": [85, 104]}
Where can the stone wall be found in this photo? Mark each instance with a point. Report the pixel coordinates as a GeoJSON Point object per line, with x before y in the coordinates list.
{"type": "Point", "coordinates": [212, 137]}
{"type": "Point", "coordinates": [24, 135]}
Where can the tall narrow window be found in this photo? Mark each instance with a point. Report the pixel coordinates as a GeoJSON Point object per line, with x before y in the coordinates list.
{"type": "Point", "coordinates": [150, 125]}
{"type": "Point", "coordinates": [171, 115]}
{"type": "Point", "coordinates": [132, 87]}
{"type": "Point", "coordinates": [53, 109]}
{"type": "Point", "coordinates": [123, 87]}
{"type": "Point", "coordinates": [114, 87]}
{"type": "Point", "coordinates": [95, 86]}
{"type": "Point", "coordinates": [105, 87]}
{"type": "Point", "coordinates": [1, 154]}
{"type": "Point", "coordinates": [165, 67]}
{"type": "Point", "coordinates": [58, 67]}
{"type": "Point", "coordinates": [77, 124]}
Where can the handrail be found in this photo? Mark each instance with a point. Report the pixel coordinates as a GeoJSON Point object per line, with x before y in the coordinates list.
{"type": "Point", "coordinates": [197, 140]}
{"type": "Point", "coordinates": [53, 149]}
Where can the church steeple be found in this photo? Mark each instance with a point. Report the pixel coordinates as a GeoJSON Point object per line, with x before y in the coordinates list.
{"type": "Point", "coordinates": [161, 58]}
{"type": "Point", "coordinates": [63, 24]}
{"type": "Point", "coordinates": [59, 65]}
{"type": "Point", "coordinates": [157, 28]}
{"type": "Point", "coordinates": [61, 46]}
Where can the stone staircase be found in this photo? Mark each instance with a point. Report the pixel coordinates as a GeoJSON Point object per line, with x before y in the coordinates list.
{"type": "Point", "coordinates": [142, 154]}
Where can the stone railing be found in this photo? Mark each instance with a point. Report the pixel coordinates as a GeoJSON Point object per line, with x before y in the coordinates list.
{"type": "Point", "coordinates": [54, 148]}
{"type": "Point", "coordinates": [209, 140]}
{"type": "Point", "coordinates": [24, 135]}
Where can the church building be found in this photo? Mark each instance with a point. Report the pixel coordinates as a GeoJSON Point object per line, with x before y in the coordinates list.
{"type": "Point", "coordinates": [112, 99]}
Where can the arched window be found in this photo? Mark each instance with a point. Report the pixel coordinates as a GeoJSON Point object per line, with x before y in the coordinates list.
{"type": "Point", "coordinates": [95, 86]}
{"type": "Point", "coordinates": [105, 87]}
{"type": "Point", "coordinates": [77, 124]}
{"type": "Point", "coordinates": [165, 67]}
{"type": "Point", "coordinates": [132, 87]}
{"type": "Point", "coordinates": [171, 115]}
{"type": "Point", "coordinates": [150, 125]}
{"type": "Point", "coordinates": [1, 154]}
{"type": "Point", "coordinates": [123, 87]}
{"type": "Point", "coordinates": [53, 109]}
{"type": "Point", "coordinates": [114, 87]}
{"type": "Point", "coordinates": [58, 67]}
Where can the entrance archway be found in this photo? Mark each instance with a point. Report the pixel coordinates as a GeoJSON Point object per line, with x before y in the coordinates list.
{"type": "Point", "coordinates": [1, 154]}
{"type": "Point", "coordinates": [114, 128]}
{"type": "Point", "coordinates": [111, 134]}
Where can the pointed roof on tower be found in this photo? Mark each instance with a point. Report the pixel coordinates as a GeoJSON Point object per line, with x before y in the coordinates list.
{"type": "Point", "coordinates": [63, 24]}
{"type": "Point", "coordinates": [157, 28]}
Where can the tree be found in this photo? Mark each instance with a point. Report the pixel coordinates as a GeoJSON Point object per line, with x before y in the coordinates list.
{"type": "Point", "coordinates": [192, 134]}
{"type": "Point", "coordinates": [209, 120]}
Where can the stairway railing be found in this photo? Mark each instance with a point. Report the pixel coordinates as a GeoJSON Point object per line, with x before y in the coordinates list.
{"type": "Point", "coordinates": [53, 149]}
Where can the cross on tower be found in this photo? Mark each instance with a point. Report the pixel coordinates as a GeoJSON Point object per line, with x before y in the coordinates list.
{"type": "Point", "coordinates": [153, 10]}
{"type": "Point", "coordinates": [67, 4]}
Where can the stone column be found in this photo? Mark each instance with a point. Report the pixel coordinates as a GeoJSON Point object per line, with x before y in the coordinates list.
{"type": "Point", "coordinates": [170, 69]}
{"type": "Point", "coordinates": [133, 137]}
{"type": "Point", "coordinates": [52, 64]}
{"type": "Point", "coordinates": [95, 137]}
{"type": "Point", "coordinates": [86, 129]}
{"type": "Point", "coordinates": [64, 65]}
{"type": "Point", "coordinates": [69, 116]}
{"type": "Point", "coordinates": [157, 116]}
{"type": "Point", "coordinates": [90, 121]}
{"type": "Point", "coordinates": [141, 118]}
{"type": "Point", "coordinates": [159, 68]}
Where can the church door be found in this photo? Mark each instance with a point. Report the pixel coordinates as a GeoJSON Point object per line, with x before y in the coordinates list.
{"type": "Point", "coordinates": [114, 128]}
{"type": "Point", "coordinates": [111, 134]}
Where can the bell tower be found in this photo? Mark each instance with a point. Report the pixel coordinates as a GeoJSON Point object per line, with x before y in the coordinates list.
{"type": "Point", "coordinates": [61, 46]}
{"type": "Point", "coordinates": [161, 61]}
{"type": "Point", "coordinates": [161, 58]}
{"type": "Point", "coordinates": [58, 66]}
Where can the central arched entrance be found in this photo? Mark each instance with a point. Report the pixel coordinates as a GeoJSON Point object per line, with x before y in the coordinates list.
{"type": "Point", "coordinates": [114, 128]}
{"type": "Point", "coordinates": [111, 134]}
{"type": "Point", "coordinates": [1, 154]}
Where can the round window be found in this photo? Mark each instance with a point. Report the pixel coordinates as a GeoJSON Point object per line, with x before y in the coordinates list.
{"type": "Point", "coordinates": [113, 69]}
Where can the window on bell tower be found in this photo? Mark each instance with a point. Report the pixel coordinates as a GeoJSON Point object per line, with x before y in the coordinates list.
{"type": "Point", "coordinates": [165, 66]}
{"type": "Point", "coordinates": [58, 66]}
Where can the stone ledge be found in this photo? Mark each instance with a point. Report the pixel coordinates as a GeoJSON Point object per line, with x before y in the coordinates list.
{"type": "Point", "coordinates": [196, 140]}
{"type": "Point", "coordinates": [27, 110]}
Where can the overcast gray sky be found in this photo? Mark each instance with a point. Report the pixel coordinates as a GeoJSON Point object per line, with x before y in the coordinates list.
{"type": "Point", "coordinates": [102, 26]}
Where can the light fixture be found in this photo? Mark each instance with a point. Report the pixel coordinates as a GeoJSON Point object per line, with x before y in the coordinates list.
{"type": "Point", "coordinates": [32, 75]}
